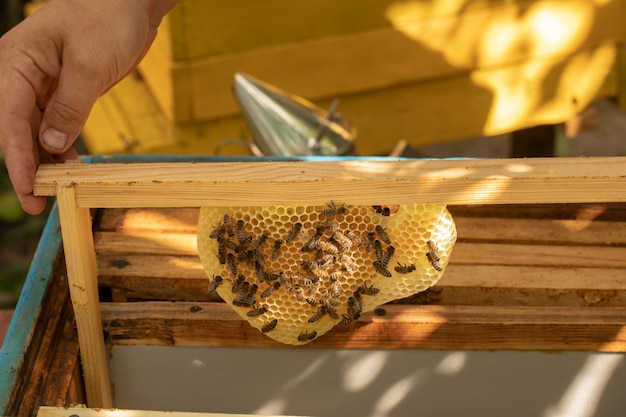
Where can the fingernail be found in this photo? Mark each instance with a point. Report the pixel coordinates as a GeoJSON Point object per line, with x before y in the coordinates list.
{"type": "Point", "coordinates": [54, 139]}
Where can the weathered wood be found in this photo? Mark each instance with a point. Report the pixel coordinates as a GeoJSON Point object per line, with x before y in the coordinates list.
{"type": "Point", "coordinates": [421, 327]}
{"type": "Point", "coordinates": [491, 181]}
{"type": "Point", "coordinates": [50, 373]}
{"type": "Point", "coordinates": [80, 259]}
{"type": "Point", "coordinates": [461, 285]}
{"type": "Point", "coordinates": [146, 242]}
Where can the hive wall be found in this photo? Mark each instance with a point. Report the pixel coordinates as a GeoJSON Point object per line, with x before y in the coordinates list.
{"type": "Point", "coordinates": [294, 272]}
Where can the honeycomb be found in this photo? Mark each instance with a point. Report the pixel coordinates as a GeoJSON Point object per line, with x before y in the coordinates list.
{"type": "Point", "coordinates": [294, 272]}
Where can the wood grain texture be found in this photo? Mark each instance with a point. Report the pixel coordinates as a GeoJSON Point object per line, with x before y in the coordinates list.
{"type": "Point", "coordinates": [488, 181]}
{"type": "Point", "coordinates": [80, 259]}
{"type": "Point", "coordinates": [421, 327]}
{"type": "Point", "coordinates": [50, 372]}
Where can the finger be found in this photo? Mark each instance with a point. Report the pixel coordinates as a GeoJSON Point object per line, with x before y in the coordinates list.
{"type": "Point", "coordinates": [17, 118]}
{"type": "Point", "coordinates": [68, 108]}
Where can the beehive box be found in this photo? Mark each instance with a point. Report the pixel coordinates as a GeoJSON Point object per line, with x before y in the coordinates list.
{"type": "Point", "coordinates": [538, 264]}
{"type": "Point", "coordinates": [423, 71]}
{"type": "Point", "coordinates": [321, 51]}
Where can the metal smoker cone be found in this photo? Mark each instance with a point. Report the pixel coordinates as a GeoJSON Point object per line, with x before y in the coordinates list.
{"type": "Point", "coordinates": [283, 124]}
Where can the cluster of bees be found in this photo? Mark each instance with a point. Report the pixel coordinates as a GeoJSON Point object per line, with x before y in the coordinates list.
{"type": "Point", "coordinates": [251, 266]}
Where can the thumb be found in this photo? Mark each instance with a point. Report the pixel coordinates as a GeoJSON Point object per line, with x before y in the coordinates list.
{"type": "Point", "coordinates": [66, 113]}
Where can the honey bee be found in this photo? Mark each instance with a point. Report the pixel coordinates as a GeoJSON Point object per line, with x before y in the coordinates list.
{"type": "Point", "coordinates": [333, 301]}
{"type": "Point", "coordinates": [382, 233]}
{"type": "Point", "coordinates": [245, 297]}
{"type": "Point", "coordinates": [382, 210]}
{"type": "Point", "coordinates": [270, 290]}
{"type": "Point", "coordinates": [260, 272]}
{"type": "Point", "coordinates": [433, 255]}
{"type": "Point", "coordinates": [304, 336]}
{"type": "Point", "coordinates": [370, 244]}
{"type": "Point", "coordinates": [273, 276]}
{"type": "Point", "coordinates": [247, 256]}
{"type": "Point", "coordinates": [276, 248]}
{"type": "Point", "coordinates": [299, 293]}
{"type": "Point", "coordinates": [404, 269]}
{"type": "Point", "coordinates": [378, 266]}
{"type": "Point", "coordinates": [314, 241]}
{"type": "Point", "coordinates": [241, 231]}
{"type": "Point", "coordinates": [257, 311]}
{"type": "Point", "coordinates": [345, 320]}
{"type": "Point", "coordinates": [258, 244]}
{"type": "Point", "coordinates": [323, 227]}
{"type": "Point", "coordinates": [356, 239]}
{"type": "Point", "coordinates": [368, 290]}
{"type": "Point", "coordinates": [232, 263]}
{"type": "Point", "coordinates": [259, 259]}
{"type": "Point", "coordinates": [244, 244]}
{"type": "Point", "coordinates": [238, 284]}
{"type": "Point", "coordinates": [295, 230]}
{"type": "Point", "coordinates": [221, 252]}
{"type": "Point", "coordinates": [327, 248]}
{"type": "Point", "coordinates": [311, 301]}
{"type": "Point", "coordinates": [334, 290]}
{"type": "Point", "coordinates": [354, 307]}
{"type": "Point", "coordinates": [321, 312]}
{"type": "Point", "coordinates": [311, 267]}
{"type": "Point", "coordinates": [387, 256]}
{"type": "Point", "coordinates": [269, 326]}
{"type": "Point", "coordinates": [217, 281]}
{"type": "Point", "coordinates": [348, 267]}
{"type": "Point", "coordinates": [224, 241]}
{"type": "Point", "coordinates": [330, 310]}
{"type": "Point", "coordinates": [340, 241]}
{"type": "Point", "coordinates": [336, 276]}
{"type": "Point", "coordinates": [378, 249]}
{"type": "Point", "coordinates": [333, 210]}
{"type": "Point", "coordinates": [324, 261]}
{"type": "Point", "coordinates": [218, 231]}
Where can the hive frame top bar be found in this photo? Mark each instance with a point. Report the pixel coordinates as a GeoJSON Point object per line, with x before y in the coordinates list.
{"type": "Point", "coordinates": [228, 182]}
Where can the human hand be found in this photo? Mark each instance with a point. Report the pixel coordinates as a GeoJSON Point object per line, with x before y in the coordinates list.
{"type": "Point", "coordinates": [53, 67]}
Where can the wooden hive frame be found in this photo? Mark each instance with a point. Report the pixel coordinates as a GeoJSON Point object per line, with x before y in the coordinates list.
{"type": "Point", "coordinates": [371, 181]}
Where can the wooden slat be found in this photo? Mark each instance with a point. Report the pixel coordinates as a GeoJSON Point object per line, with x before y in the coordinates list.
{"type": "Point", "coordinates": [421, 327]}
{"type": "Point", "coordinates": [178, 220]}
{"type": "Point", "coordinates": [539, 255]}
{"type": "Point", "coordinates": [460, 285]}
{"type": "Point", "coordinates": [492, 181]}
{"type": "Point", "coordinates": [153, 266]}
{"type": "Point", "coordinates": [553, 232]}
{"type": "Point", "coordinates": [80, 259]}
{"type": "Point", "coordinates": [475, 230]}
{"type": "Point", "coordinates": [148, 243]}
{"type": "Point", "coordinates": [463, 253]}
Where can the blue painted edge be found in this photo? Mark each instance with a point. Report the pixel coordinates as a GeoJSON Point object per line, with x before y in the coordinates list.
{"type": "Point", "coordinates": [22, 324]}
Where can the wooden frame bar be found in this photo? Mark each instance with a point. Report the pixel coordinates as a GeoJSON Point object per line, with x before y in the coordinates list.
{"type": "Point", "coordinates": [80, 257]}
{"type": "Point", "coordinates": [362, 181]}
{"type": "Point", "coordinates": [480, 181]}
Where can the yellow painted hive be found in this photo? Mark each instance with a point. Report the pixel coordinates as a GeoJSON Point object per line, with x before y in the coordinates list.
{"type": "Point", "coordinates": [294, 272]}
